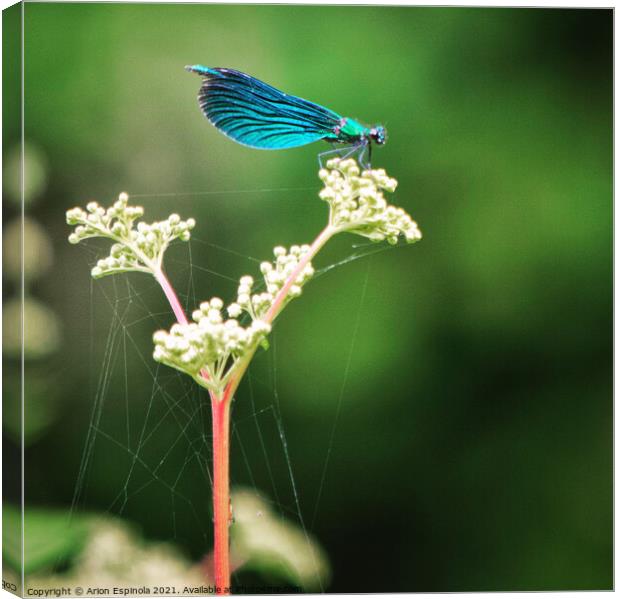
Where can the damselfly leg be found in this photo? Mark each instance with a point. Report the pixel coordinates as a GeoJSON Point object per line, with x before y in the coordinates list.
{"type": "Point", "coordinates": [359, 150]}
{"type": "Point", "coordinates": [363, 158]}
{"type": "Point", "coordinates": [325, 156]}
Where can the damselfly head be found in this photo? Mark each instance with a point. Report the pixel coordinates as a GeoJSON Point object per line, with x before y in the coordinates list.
{"type": "Point", "coordinates": [378, 134]}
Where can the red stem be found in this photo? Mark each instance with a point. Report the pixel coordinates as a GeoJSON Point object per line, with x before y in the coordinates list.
{"type": "Point", "coordinates": [220, 411]}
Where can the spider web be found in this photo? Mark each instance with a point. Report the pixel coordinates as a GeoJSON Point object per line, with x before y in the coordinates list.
{"type": "Point", "coordinates": [161, 403]}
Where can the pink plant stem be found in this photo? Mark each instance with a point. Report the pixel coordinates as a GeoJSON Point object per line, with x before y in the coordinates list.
{"type": "Point", "coordinates": [220, 411]}
{"type": "Point", "coordinates": [175, 304]}
{"type": "Point", "coordinates": [317, 244]}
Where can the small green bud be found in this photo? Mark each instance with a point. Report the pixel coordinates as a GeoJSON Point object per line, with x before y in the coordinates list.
{"type": "Point", "coordinates": [234, 310]}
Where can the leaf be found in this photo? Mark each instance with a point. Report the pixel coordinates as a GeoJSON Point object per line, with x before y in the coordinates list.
{"type": "Point", "coordinates": [50, 537]}
{"type": "Point", "coordinates": [275, 547]}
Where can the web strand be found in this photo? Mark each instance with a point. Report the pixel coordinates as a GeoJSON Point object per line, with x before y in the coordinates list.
{"type": "Point", "coordinates": [343, 387]}
{"type": "Point", "coordinates": [175, 406]}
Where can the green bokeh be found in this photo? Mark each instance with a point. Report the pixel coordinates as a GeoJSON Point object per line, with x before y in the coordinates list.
{"type": "Point", "coordinates": [460, 389]}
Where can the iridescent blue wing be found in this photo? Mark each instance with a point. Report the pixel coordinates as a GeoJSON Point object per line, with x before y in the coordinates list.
{"type": "Point", "coordinates": [258, 115]}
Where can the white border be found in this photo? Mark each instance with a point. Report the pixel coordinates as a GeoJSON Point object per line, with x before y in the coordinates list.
{"type": "Point", "coordinates": [481, 3]}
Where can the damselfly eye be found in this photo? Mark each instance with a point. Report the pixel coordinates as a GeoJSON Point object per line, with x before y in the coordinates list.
{"type": "Point", "coordinates": [378, 135]}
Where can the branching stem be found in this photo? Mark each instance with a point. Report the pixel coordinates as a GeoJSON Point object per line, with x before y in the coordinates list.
{"type": "Point", "coordinates": [278, 303]}
{"type": "Point", "coordinates": [220, 409]}
{"type": "Point", "coordinates": [175, 304]}
{"type": "Point", "coordinates": [171, 295]}
{"type": "Point", "coordinates": [205, 350]}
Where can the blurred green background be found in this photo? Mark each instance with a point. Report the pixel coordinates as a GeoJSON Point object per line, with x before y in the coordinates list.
{"type": "Point", "coordinates": [446, 408]}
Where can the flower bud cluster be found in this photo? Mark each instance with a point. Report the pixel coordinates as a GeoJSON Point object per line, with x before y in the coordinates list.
{"type": "Point", "coordinates": [138, 248]}
{"type": "Point", "coordinates": [208, 342]}
{"type": "Point", "coordinates": [275, 276]}
{"type": "Point", "coordinates": [212, 341]}
{"type": "Point", "coordinates": [357, 203]}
